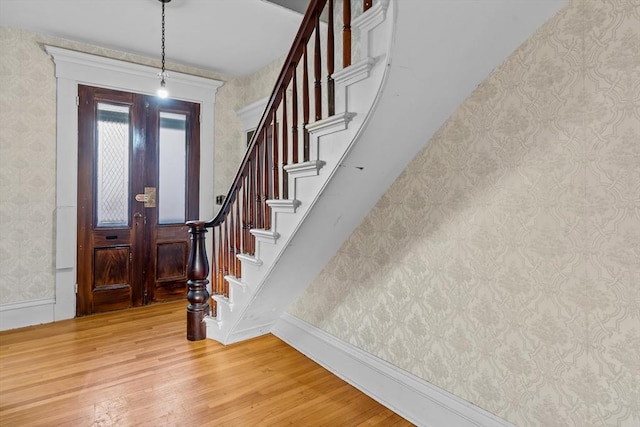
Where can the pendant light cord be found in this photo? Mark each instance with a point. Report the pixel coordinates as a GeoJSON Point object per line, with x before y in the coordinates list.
{"type": "Point", "coordinates": [163, 73]}
{"type": "Point", "coordinates": [162, 91]}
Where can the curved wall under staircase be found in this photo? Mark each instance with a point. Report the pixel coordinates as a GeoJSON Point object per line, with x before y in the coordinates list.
{"type": "Point", "coordinates": [428, 57]}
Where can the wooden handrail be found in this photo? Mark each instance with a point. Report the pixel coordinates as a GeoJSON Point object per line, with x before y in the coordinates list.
{"type": "Point", "coordinates": [302, 37]}
{"type": "Point", "coordinates": [261, 175]}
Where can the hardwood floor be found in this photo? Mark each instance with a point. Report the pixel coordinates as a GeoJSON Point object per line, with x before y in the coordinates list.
{"type": "Point", "coordinates": [136, 367]}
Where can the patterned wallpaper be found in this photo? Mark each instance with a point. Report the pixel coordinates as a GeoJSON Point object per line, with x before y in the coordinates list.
{"type": "Point", "coordinates": [240, 92]}
{"type": "Point", "coordinates": [28, 153]}
{"type": "Point", "coordinates": [503, 265]}
{"type": "Point", "coordinates": [27, 169]}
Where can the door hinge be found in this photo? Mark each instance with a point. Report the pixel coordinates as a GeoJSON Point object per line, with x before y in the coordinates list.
{"type": "Point", "coordinates": [75, 288]}
{"type": "Point", "coordinates": [77, 101]}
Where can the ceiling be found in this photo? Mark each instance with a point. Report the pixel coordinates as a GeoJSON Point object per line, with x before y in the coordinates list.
{"type": "Point", "coordinates": [232, 37]}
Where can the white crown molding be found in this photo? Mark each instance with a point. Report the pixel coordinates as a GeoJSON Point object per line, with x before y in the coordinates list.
{"type": "Point", "coordinates": [92, 69]}
{"type": "Point", "coordinates": [252, 113]}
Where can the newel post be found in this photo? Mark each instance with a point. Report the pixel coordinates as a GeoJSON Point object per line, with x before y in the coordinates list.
{"type": "Point", "coordinates": [197, 273]}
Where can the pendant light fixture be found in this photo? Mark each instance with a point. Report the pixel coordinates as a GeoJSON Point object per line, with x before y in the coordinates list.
{"type": "Point", "coordinates": [162, 90]}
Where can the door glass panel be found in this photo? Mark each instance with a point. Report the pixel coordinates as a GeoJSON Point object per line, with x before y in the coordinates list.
{"type": "Point", "coordinates": [172, 168]}
{"type": "Point", "coordinates": [112, 166]}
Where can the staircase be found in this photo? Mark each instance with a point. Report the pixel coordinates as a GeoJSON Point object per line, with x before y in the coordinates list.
{"type": "Point", "coordinates": [418, 61]}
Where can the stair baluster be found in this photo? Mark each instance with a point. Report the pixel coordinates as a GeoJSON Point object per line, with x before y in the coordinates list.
{"type": "Point", "coordinates": [239, 247]}
{"type": "Point", "coordinates": [294, 118]}
{"type": "Point", "coordinates": [346, 34]}
{"type": "Point", "coordinates": [317, 72]}
{"type": "Point", "coordinates": [266, 191]}
{"type": "Point", "coordinates": [285, 150]}
{"type": "Point", "coordinates": [331, 90]}
{"type": "Point", "coordinates": [261, 175]}
{"type": "Point", "coordinates": [305, 104]}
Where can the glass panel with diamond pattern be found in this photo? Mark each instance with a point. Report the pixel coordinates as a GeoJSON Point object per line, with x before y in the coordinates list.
{"type": "Point", "coordinates": [112, 165]}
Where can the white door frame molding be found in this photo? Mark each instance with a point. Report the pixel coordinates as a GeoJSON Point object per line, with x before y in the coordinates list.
{"type": "Point", "coordinates": [73, 68]}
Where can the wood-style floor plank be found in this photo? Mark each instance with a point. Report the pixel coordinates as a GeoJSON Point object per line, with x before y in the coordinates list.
{"type": "Point", "coordinates": [136, 368]}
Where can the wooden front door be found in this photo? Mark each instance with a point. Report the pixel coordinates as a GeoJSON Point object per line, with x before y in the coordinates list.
{"type": "Point", "coordinates": [138, 179]}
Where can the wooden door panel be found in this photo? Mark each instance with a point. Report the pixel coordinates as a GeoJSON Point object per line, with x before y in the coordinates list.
{"type": "Point", "coordinates": [111, 288]}
{"type": "Point", "coordinates": [111, 267]}
{"type": "Point", "coordinates": [174, 127]}
{"type": "Point", "coordinates": [111, 237]}
{"type": "Point", "coordinates": [172, 252]}
{"type": "Point", "coordinates": [115, 299]}
{"type": "Point", "coordinates": [106, 235]}
{"type": "Point", "coordinates": [127, 256]}
{"type": "Point", "coordinates": [171, 261]}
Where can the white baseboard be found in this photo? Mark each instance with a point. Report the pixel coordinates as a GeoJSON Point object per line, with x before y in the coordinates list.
{"type": "Point", "coordinates": [28, 313]}
{"type": "Point", "coordinates": [409, 396]}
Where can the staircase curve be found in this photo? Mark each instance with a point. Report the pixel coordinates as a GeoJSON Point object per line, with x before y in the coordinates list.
{"type": "Point", "coordinates": [420, 60]}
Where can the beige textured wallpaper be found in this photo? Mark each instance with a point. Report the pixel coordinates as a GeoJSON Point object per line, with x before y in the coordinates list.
{"type": "Point", "coordinates": [240, 92]}
{"type": "Point", "coordinates": [503, 265]}
{"type": "Point", "coordinates": [28, 152]}
{"type": "Point", "coordinates": [27, 169]}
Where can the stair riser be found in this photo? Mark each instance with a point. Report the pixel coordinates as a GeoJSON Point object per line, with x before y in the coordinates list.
{"type": "Point", "coordinates": [330, 140]}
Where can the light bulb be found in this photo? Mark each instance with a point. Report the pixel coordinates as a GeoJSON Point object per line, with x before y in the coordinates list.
{"type": "Point", "coordinates": [162, 90]}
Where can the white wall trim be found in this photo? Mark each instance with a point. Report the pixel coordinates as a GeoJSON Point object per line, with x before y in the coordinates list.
{"type": "Point", "coordinates": [250, 116]}
{"type": "Point", "coordinates": [411, 397]}
{"type": "Point", "coordinates": [73, 68]}
{"type": "Point", "coordinates": [25, 313]}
